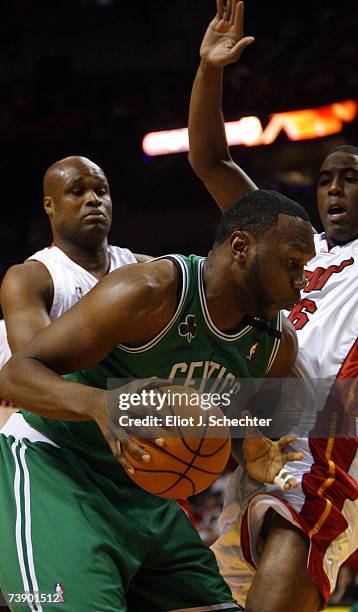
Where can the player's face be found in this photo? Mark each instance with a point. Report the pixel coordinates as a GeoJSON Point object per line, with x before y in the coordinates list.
{"type": "Point", "coordinates": [82, 204]}
{"type": "Point", "coordinates": [276, 276]}
{"type": "Point", "coordinates": [337, 197]}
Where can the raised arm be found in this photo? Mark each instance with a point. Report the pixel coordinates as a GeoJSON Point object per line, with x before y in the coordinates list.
{"type": "Point", "coordinates": [209, 155]}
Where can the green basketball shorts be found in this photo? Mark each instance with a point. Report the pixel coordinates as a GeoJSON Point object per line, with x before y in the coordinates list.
{"type": "Point", "coordinates": [75, 541]}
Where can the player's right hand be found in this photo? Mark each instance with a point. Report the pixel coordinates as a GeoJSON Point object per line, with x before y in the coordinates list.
{"type": "Point", "coordinates": [119, 437]}
{"type": "Point", "coordinates": [224, 41]}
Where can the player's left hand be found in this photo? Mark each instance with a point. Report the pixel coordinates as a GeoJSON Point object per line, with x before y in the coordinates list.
{"type": "Point", "coordinates": [265, 458]}
{"type": "Point", "coordinates": [224, 41]}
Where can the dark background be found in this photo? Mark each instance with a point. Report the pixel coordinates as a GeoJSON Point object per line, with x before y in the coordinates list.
{"type": "Point", "coordinates": [91, 77]}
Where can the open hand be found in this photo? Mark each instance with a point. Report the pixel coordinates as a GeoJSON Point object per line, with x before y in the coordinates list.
{"type": "Point", "coordinates": [265, 458]}
{"type": "Point", "coordinates": [224, 42]}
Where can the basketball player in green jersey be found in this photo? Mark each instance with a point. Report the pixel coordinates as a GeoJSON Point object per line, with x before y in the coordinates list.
{"type": "Point", "coordinates": [82, 525]}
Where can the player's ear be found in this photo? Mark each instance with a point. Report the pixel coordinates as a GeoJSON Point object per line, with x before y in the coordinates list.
{"type": "Point", "coordinates": [241, 243]}
{"type": "Point", "coordinates": [48, 205]}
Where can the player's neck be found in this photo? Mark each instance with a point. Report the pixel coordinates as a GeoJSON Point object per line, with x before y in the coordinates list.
{"type": "Point", "coordinates": [94, 259]}
{"type": "Point", "coordinates": [221, 297]}
{"type": "Point", "coordinates": [331, 243]}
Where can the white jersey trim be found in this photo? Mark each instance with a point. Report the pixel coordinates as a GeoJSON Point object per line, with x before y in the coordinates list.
{"type": "Point", "coordinates": [24, 517]}
{"type": "Point", "coordinates": [149, 345]}
{"type": "Point", "coordinates": [217, 332]}
{"type": "Point", "coordinates": [20, 552]}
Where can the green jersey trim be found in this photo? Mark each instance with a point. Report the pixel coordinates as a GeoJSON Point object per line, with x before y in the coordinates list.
{"type": "Point", "coordinates": [158, 337]}
{"type": "Point", "coordinates": [217, 332]}
{"type": "Point", "coordinates": [276, 344]}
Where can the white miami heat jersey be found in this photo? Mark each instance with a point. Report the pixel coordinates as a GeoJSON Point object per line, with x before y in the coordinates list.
{"type": "Point", "coordinates": [326, 319]}
{"type": "Point", "coordinates": [5, 352]}
{"type": "Point", "coordinates": [325, 504]}
{"type": "Point", "coordinates": [71, 281]}
{"type": "Point", "coordinates": [5, 355]}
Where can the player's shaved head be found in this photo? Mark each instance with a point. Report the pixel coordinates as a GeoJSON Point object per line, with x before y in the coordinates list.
{"type": "Point", "coordinates": [77, 201]}
{"type": "Point", "coordinates": [352, 149]}
{"type": "Point", "coordinates": [59, 171]}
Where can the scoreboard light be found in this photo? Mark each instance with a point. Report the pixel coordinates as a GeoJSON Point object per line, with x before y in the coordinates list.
{"type": "Point", "coordinates": [248, 131]}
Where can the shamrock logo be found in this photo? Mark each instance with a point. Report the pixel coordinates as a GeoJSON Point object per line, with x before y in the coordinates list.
{"type": "Point", "coordinates": [188, 327]}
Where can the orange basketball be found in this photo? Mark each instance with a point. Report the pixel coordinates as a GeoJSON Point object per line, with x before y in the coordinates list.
{"type": "Point", "coordinates": [194, 455]}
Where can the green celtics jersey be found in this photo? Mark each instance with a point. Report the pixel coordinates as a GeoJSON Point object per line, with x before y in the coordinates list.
{"type": "Point", "coordinates": [190, 349]}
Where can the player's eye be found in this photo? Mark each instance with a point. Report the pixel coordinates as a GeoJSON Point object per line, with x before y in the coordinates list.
{"type": "Point", "coordinates": [352, 178]}
{"type": "Point", "coordinates": [77, 191]}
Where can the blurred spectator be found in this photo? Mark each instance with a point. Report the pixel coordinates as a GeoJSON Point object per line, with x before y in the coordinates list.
{"type": "Point", "coordinates": [207, 507]}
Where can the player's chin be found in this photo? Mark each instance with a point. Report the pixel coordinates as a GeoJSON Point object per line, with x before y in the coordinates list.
{"type": "Point", "coordinates": [340, 234]}
{"type": "Point", "coordinates": [95, 228]}
{"type": "Point", "coordinates": [95, 221]}
{"type": "Point", "coordinates": [269, 312]}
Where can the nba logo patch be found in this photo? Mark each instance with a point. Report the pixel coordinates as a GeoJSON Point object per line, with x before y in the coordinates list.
{"type": "Point", "coordinates": [252, 351]}
{"type": "Point", "coordinates": [59, 593]}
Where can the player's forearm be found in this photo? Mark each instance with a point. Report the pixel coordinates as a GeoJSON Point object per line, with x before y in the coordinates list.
{"type": "Point", "coordinates": [209, 154]}
{"type": "Point", "coordinates": [208, 145]}
{"type": "Point", "coordinates": [31, 385]}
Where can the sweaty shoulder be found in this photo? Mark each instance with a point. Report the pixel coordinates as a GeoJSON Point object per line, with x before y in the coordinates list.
{"type": "Point", "coordinates": [287, 353]}
{"type": "Point", "coordinates": [28, 279]}
{"type": "Point", "coordinates": [147, 297]}
{"type": "Point", "coordinates": [150, 279]}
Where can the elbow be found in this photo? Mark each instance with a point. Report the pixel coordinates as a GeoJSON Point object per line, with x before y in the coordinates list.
{"type": "Point", "coordinates": [202, 168]}
{"type": "Point", "coordinates": [8, 381]}
{"type": "Point", "coordinates": [192, 161]}
{"type": "Point", "coordinates": [208, 167]}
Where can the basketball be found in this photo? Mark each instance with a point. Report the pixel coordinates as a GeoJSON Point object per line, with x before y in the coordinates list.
{"type": "Point", "coordinates": [195, 453]}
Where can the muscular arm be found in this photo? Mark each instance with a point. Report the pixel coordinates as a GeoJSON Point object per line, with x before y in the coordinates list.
{"type": "Point", "coordinates": [131, 305]}
{"type": "Point", "coordinates": [26, 299]}
{"type": "Point", "coordinates": [209, 154]}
